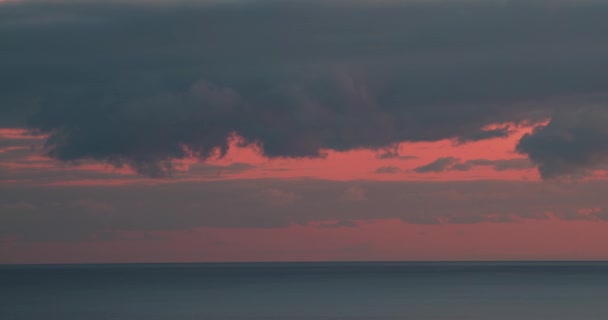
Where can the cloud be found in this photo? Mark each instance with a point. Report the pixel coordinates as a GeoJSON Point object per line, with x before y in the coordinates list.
{"type": "Point", "coordinates": [485, 134]}
{"type": "Point", "coordinates": [393, 153]}
{"type": "Point", "coordinates": [387, 170]}
{"type": "Point", "coordinates": [439, 165]}
{"type": "Point", "coordinates": [131, 83]}
{"type": "Point", "coordinates": [498, 165]}
{"type": "Point", "coordinates": [76, 213]}
{"type": "Point", "coordinates": [575, 140]}
{"type": "Point", "coordinates": [389, 153]}
{"type": "Point", "coordinates": [454, 164]}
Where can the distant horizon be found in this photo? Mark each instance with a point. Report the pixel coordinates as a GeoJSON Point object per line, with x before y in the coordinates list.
{"type": "Point", "coordinates": [220, 263]}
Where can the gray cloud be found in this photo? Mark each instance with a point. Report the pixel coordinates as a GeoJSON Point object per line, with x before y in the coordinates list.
{"type": "Point", "coordinates": [393, 153]}
{"type": "Point", "coordinates": [575, 140]}
{"type": "Point", "coordinates": [140, 84]}
{"type": "Point", "coordinates": [80, 213]}
{"type": "Point", "coordinates": [439, 165]}
{"type": "Point", "coordinates": [389, 153]}
{"type": "Point", "coordinates": [451, 164]}
{"type": "Point", "coordinates": [498, 165]}
{"type": "Point", "coordinates": [387, 169]}
{"type": "Point", "coordinates": [19, 162]}
{"type": "Point", "coordinates": [485, 134]}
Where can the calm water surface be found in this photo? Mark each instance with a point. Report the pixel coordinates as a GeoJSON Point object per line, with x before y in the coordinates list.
{"type": "Point", "coordinates": [306, 291]}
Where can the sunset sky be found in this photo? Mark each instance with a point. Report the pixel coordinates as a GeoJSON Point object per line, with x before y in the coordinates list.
{"type": "Point", "coordinates": [292, 130]}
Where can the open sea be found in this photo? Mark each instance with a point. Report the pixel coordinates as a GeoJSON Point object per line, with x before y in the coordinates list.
{"type": "Point", "coordinates": [307, 291]}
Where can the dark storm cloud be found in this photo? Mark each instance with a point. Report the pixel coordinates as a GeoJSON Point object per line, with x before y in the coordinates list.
{"type": "Point", "coordinates": [77, 213]}
{"type": "Point", "coordinates": [574, 140]}
{"type": "Point", "coordinates": [451, 164]}
{"type": "Point", "coordinates": [19, 162]}
{"type": "Point", "coordinates": [142, 82]}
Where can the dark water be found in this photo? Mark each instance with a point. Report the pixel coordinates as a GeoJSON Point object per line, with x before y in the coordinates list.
{"type": "Point", "coordinates": [303, 291]}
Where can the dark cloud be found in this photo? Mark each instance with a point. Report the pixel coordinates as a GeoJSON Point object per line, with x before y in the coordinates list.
{"type": "Point", "coordinates": [21, 164]}
{"type": "Point", "coordinates": [387, 169]}
{"type": "Point", "coordinates": [140, 83]}
{"type": "Point", "coordinates": [393, 153]}
{"type": "Point", "coordinates": [575, 139]}
{"type": "Point", "coordinates": [439, 165]}
{"type": "Point", "coordinates": [77, 213]}
{"type": "Point", "coordinates": [485, 134]}
{"type": "Point", "coordinates": [451, 163]}
{"type": "Point", "coordinates": [389, 153]}
{"type": "Point", "coordinates": [461, 166]}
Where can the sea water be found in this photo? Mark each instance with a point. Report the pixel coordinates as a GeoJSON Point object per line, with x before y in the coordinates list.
{"type": "Point", "coordinates": [307, 291]}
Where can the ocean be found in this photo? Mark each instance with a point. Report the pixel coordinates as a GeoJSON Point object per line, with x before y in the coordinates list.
{"type": "Point", "coordinates": [307, 291]}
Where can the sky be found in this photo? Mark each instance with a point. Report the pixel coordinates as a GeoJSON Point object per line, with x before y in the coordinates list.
{"type": "Point", "coordinates": [291, 130]}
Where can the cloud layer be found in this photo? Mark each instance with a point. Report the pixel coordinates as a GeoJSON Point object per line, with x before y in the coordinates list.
{"type": "Point", "coordinates": [454, 164]}
{"type": "Point", "coordinates": [141, 83]}
{"type": "Point", "coordinates": [84, 213]}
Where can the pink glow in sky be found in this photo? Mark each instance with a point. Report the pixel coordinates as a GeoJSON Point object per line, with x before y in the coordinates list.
{"type": "Point", "coordinates": [548, 237]}
{"type": "Point", "coordinates": [145, 131]}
